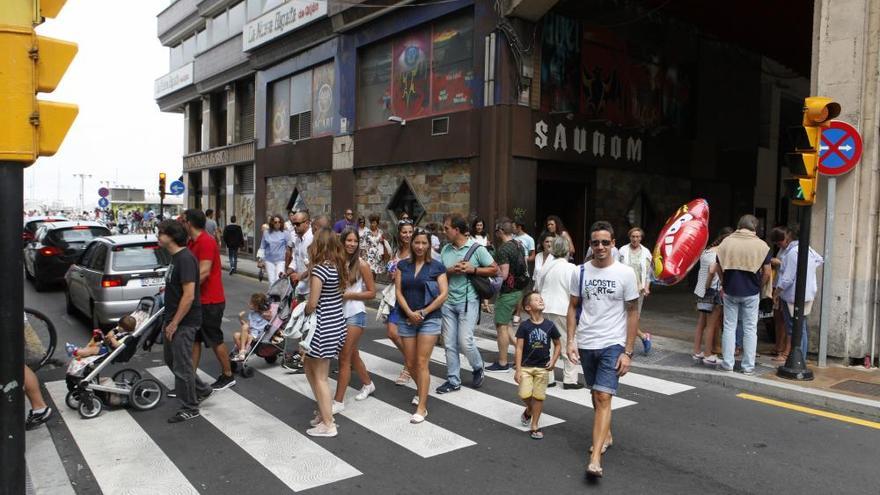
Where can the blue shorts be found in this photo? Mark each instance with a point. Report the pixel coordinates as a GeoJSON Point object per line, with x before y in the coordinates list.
{"type": "Point", "coordinates": [358, 320]}
{"type": "Point", "coordinates": [600, 368]}
{"type": "Point", "coordinates": [394, 316]}
{"type": "Point", "coordinates": [431, 326]}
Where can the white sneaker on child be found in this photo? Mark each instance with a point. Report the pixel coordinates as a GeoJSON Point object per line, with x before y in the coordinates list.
{"type": "Point", "coordinates": [366, 391]}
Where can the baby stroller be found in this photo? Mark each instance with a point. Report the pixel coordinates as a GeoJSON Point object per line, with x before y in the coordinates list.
{"type": "Point", "coordinates": [89, 392]}
{"type": "Point", "coordinates": [270, 343]}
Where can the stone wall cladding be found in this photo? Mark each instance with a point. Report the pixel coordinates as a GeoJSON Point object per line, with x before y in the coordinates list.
{"type": "Point", "coordinates": [315, 189]}
{"type": "Point", "coordinates": [443, 187]}
{"type": "Point", "coordinates": [616, 190]}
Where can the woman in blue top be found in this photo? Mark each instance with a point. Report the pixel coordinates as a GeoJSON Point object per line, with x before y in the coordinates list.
{"type": "Point", "coordinates": [421, 291]}
{"type": "Point", "coordinates": [274, 247]}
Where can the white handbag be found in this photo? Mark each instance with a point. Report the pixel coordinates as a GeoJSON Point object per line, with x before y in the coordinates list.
{"type": "Point", "coordinates": [301, 326]}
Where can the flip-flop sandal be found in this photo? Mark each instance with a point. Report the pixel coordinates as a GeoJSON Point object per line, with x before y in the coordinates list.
{"type": "Point", "coordinates": [537, 435]}
{"type": "Point", "coordinates": [594, 470]}
{"type": "Point", "coordinates": [604, 447]}
{"type": "Point", "coordinates": [525, 420]}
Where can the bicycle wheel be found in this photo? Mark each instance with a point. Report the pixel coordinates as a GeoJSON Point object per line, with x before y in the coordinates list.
{"type": "Point", "coordinates": [40, 339]}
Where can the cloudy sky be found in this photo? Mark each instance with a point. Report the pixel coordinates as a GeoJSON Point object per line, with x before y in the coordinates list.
{"type": "Point", "coordinates": [120, 135]}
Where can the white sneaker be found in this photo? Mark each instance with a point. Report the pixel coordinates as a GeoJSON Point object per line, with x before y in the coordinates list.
{"type": "Point", "coordinates": [415, 400]}
{"type": "Point", "coordinates": [366, 391]}
{"type": "Point", "coordinates": [322, 431]}
{"type": "Point", "coordinates": [338, 407]}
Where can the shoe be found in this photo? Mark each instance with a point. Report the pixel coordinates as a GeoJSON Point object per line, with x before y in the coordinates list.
{"type": "Point", "coordinates": [646, 342]}
{"type": "Point", "coordinates": [448, 387]}
{"type": "Point", "coordinates": [721, 368]}
{"type": "Point", "coordinates": [553, 384]}
{"type": "Point", "coordinates": [366, 391]}
{"type": "Point", "coordinates": [497, 368]}
{"type": "Point", "coordinates": [205, 397]}
{"type": "Point", "coordinates": [698, 356]}
{"type": "Point", "coordinates": [70, 349]}
{"type": "Point", "coordinates": [223, 382]}
{"type": "Point", "coordinates": [711, 360]}
{"type": "Point", "coordinates": [515, 319]}
{"type": "Point", "coordinates": [404, 378]}
{"type": "Point", "coordinates": [338, 407]}
{"type": "Point", "coordinates": [36, 419]}
{"type": "Point", "coordinates": [525, 419]}
{"type": "Point", "coordinates": [184, 415]}
{"type": "Point", "coordinates": [415, 400]}
{"type": "Point", "coordinates": [594, 471]}
{"type": "Point", "coordinates": [478, 376]}
{"type": "Point", "coordinates": [322, 430]}
{"type": "Point", "coordinates": [418, 418]}
{"type": "Point", "coordinates": [572, 386]}
{"type": "Point", "coordinates": [537, 435]}
{"type": "Point", "coordinates": [750, 372]}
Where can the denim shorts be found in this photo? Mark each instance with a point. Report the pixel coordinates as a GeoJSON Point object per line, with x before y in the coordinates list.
{"type": "Point", "coordinates": [358, 320]}
{"type": "Point", "coordinates": [394, 316]}
{"type": "Point", "coordinates": [600, 368]}
{"type": "Point", "coordinates": [431, 326]}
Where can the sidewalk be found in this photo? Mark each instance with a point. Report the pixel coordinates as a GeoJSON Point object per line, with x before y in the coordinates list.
{"type": "Point", "coordinates": [670, 316]}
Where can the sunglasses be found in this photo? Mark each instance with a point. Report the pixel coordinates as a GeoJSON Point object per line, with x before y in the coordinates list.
{"type": "Point", "coordinates": [405, 221]}
{"type": "Point", "coordinates": [604, 242]}
{"type": "Point", "coordinates": [296, 224]}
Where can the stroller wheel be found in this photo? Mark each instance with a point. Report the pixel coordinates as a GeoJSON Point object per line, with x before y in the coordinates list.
{"type": "Point", "coordinates": [271, 359]}
{"type": "Point", "coordinates": [72, 400]}
{"type": "Point", "coordinates": [247, 371]}
{"type": "Point", "coordinates": [90, 407]}
{"type": "Point", "coordinates": [234, 366]}
{"type": "Point", "coordinates": [126, 377]}
{"type": "Point", "coordinates": [145, 394]}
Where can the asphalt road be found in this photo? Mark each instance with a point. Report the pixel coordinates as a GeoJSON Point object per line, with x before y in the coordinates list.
{"type": "Point", "coordinates": [702, 440]}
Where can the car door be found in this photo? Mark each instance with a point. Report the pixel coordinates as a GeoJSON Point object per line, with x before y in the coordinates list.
{"type": "Point", "coordinates": [31, 249]}
{"type": "Point", "coordinates": [95, 272]}
{"type": "Point", "coordinates": [76, 284]}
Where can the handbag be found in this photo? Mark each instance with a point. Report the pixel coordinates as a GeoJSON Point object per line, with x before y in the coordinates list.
{"type": "Point", "coordinates": [301, 326]}
{"type": "Point", "coordinates": [486, 287]}
{"type": "Point", "coordinates": [386, 302]}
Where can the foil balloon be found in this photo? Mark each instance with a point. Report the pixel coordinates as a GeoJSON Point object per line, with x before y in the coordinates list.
{"type": "Point", "coordinates": [680, 242]}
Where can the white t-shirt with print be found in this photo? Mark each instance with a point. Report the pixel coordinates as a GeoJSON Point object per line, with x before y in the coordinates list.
{"type": "Point", "coordinates": [604, 294]}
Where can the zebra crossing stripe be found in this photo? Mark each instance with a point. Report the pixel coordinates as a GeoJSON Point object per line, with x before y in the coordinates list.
{"type": "Point", "coordinates": [579, 397]}
{"type": "Point", "coordinates": [128, 463]}
{"type": "Point", "coordinates": [269, 440]}
{"type": "Point", "coordinates": [488, 406]}
{"type": "Point", "coordinates": [636, 380]}
{"type": "Point", "coordinates": [44, 464]}
{"type": "Point", "coordinates": [387, 421]}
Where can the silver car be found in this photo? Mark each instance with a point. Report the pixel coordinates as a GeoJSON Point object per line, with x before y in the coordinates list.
{"type": "Point", "coordinates": [113, 274]}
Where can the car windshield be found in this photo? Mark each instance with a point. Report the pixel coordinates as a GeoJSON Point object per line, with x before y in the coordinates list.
{"type": "Point", "coordinates": [79, 235]}
{"type": "Point", "coordinates": [139, 257]}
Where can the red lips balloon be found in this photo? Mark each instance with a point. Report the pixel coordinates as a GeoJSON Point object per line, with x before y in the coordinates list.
{"type": "Point", "coordinates": [680, 242]}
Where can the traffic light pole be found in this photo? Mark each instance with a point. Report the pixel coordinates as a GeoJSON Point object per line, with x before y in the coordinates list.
{"type": "Point", "coordinates": [795, 367]}
{"type": "Point", "coordinates": [12, 467]}
{"type": "Point", "coordinates": [161, 207]}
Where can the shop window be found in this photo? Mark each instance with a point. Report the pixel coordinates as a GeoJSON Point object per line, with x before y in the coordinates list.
{"type": "Point", "coordinates": [300, 124]}
{"type": "Point", "coordinates": [419, 73]}
{"type": "Point", "coordinates": [280, 123]}
{"type": "Point", "coordinates": [405, 200]}
{"type": "Point", "coordinates": [296, 202]}
{"type": "Point", "coordinates": [295, 101]}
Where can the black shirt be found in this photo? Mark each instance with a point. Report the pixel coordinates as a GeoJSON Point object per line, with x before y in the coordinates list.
{"type": "Point", "coordinates": [233, 236]}
{"type": "Point", "coordinates": [184, 268]}
{"type": "Point", "coordinates": [536, 348]}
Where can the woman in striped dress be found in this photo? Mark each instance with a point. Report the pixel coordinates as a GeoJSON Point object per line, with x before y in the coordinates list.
{"type": "Point", "coordinates": [328, 279]}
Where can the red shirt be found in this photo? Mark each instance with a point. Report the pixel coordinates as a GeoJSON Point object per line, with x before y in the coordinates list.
{"type": "Point", "coordinates": [205, 249]}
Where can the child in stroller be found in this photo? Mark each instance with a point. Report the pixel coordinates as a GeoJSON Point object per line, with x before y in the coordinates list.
{"type": "Point", "coordinates": [102, 343]}
{"type": "Point", "coordinates": [253, 324]}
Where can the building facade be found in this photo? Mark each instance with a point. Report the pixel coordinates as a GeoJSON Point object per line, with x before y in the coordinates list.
{"type": "Point", "coordinates": [587, 109]}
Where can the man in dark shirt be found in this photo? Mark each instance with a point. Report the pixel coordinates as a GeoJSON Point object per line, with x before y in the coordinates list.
{"type": "Point", "coordinates": [512, 269]}
{"type": "Point", "coordinates": [182, 318]}
{"type": "Point", "coordinates": [344, 223]}
{"type": "Point", "coordinates": [745, 263]}
{"type": "Point", "coordinates": [534, 363]}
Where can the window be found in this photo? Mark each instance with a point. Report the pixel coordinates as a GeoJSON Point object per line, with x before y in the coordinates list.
{"type": "Point", "coordinates": [86, 260]}
{"type": "Point", "coordinates": [301, 106]}
{"type": "Point", "coordinates": [254, 8]}
{"type": "Point", "coordinates": [280, 123]}
{"type": "Point", "coordinates": [236, 18]}
{"type": "Point", "coordinates": [323, 108]}
{"type": "Point", "coordinates": [219, 27]}
{"type": "Point", "coordinates": [139, 257]}
{"type": "Point", "coordinates": [176, 55]}
{"type": "Point", "coordinates": [425, 71]}
{"type": "Point", "coordinates": [99, 258]}
{"type": "Point", "coordinates": [218, 115]}
{"type": "Point", "coordinates": [189, 49]}
{"type": "Point", "coordinates": [294, 100]}
{"type": "Point", "coordinates": [78, 235]}
{"type": "Point", "coordinates": [201, 41]}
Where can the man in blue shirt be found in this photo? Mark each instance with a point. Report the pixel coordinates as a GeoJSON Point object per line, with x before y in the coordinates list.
{"type": "Point", "coordinates": [785, 287]}
{"type": "Point", "coordinates": [347, 222]}
{"type": "Point", "coordinates": [745, 263]}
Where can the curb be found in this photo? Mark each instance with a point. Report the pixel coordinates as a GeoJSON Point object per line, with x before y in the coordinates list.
{"type": "Point", "coordinates": [772, 389]}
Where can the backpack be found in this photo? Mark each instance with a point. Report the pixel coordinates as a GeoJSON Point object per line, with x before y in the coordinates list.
{"type": "Point", "coordinates": [518, 274]}
{"type": "Point", "coordinates": [486, 287]}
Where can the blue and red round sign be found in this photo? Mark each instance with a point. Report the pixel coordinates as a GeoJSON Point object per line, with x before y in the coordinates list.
{"type": "Point", "coordinates": [840, 149]}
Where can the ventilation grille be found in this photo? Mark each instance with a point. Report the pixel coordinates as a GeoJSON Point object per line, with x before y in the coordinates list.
{"type": "Point", "coordinates": [301, 126]}
{"type": "Point", "coordinates": [440, 126]}
{"type": "Point", "coordinates": [245, 178]}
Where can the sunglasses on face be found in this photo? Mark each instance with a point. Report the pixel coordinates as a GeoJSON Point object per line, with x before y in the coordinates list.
{"type": "Point", "coordinates": [296, 224]}
{"type": "Point", "coordinates": [604, 242]}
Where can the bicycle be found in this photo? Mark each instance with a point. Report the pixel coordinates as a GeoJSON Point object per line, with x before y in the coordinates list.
{"type": "Point", "coordinates": [40, 339]}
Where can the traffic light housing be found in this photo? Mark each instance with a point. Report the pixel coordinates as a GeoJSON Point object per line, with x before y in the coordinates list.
{"type": "Point", "coordinates": [162, 185]}
{"type": "Point", "coordinates": [33, 64]}
{"type": "Point", "coordinates": [803, 163]}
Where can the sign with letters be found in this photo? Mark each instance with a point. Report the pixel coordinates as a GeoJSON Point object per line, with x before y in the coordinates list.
{"type": "Point", "coordinates": [287, 17]}
{"type": "Point", "coordinates": [602, 144]}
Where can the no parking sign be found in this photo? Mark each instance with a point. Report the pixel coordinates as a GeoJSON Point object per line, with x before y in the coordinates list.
{"type": "Point", "coordinates": [840, 149]}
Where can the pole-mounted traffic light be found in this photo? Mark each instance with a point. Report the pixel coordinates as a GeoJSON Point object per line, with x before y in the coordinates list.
{"type": "Point", "coordinates": [804, 161]}
{"type": "Point", "coordinates": [162, 185]}
{"type": "Point", "coordinates": [33, 64]}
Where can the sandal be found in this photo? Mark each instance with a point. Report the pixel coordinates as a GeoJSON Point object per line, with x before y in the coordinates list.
{"type": "Point", "coordinates": [594, 470]}
{"type": "Point", "coordinates": [525, 419]}
{"type": "Point", "coordinates": [537, 435]}
{"type": "Point", "coordinates": [604, 446]}
{"type": "Point", "coordinates": [780, 358]}
{"type": "Point", "coordinates": [404, 377]}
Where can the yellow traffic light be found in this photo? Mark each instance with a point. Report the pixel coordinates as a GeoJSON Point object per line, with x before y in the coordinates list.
{"type": "Point", "coordinates": [162, 184]}
{"type": "Point", "coordinates": [33, 64]}
{"type": "Point", "coordinates": [806, 138]}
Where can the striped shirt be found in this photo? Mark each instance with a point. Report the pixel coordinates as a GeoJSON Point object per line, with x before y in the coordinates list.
{"type": "Point", "coordinates": [330, 329]}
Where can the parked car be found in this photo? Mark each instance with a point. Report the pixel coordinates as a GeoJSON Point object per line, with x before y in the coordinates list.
{"type": "Point", "coordinates": [112, 276]}
{"type": "Point", "coordinates": [32, 224]}
{"type": "Point", "coordinates": [55, 247]}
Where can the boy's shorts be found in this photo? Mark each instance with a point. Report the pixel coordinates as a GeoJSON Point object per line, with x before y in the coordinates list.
{"type": "Point", "coordinates": [533, 383]}
{"type": "Point", "coordinates": [600, 368]}
{"type": "Point", "coordinates": [505, 305]}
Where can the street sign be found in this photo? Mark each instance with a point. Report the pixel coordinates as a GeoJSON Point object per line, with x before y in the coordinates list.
{"type": "Point", "coordinates": [177, 188]}
{"type": "Point", "coordinates": [103, 202]}
{"type": "Point", "coordinates": [103, 192]}
{"type": "Point", "coordinates": [840, 149]}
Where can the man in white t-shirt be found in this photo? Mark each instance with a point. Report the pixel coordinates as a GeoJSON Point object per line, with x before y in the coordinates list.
{"type": "Point", "coordinates": [602, 322]}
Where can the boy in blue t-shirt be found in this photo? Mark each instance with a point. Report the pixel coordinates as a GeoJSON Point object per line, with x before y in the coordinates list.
{"type": "Point", "coordinates": [533, 360]}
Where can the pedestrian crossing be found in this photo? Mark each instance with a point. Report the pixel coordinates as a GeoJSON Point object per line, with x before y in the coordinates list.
{"type": "Point", "coordinates": [130, 452]}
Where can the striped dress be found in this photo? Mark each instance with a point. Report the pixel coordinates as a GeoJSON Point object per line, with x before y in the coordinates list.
{"type": "Point", "coordinates": [330, 329]}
